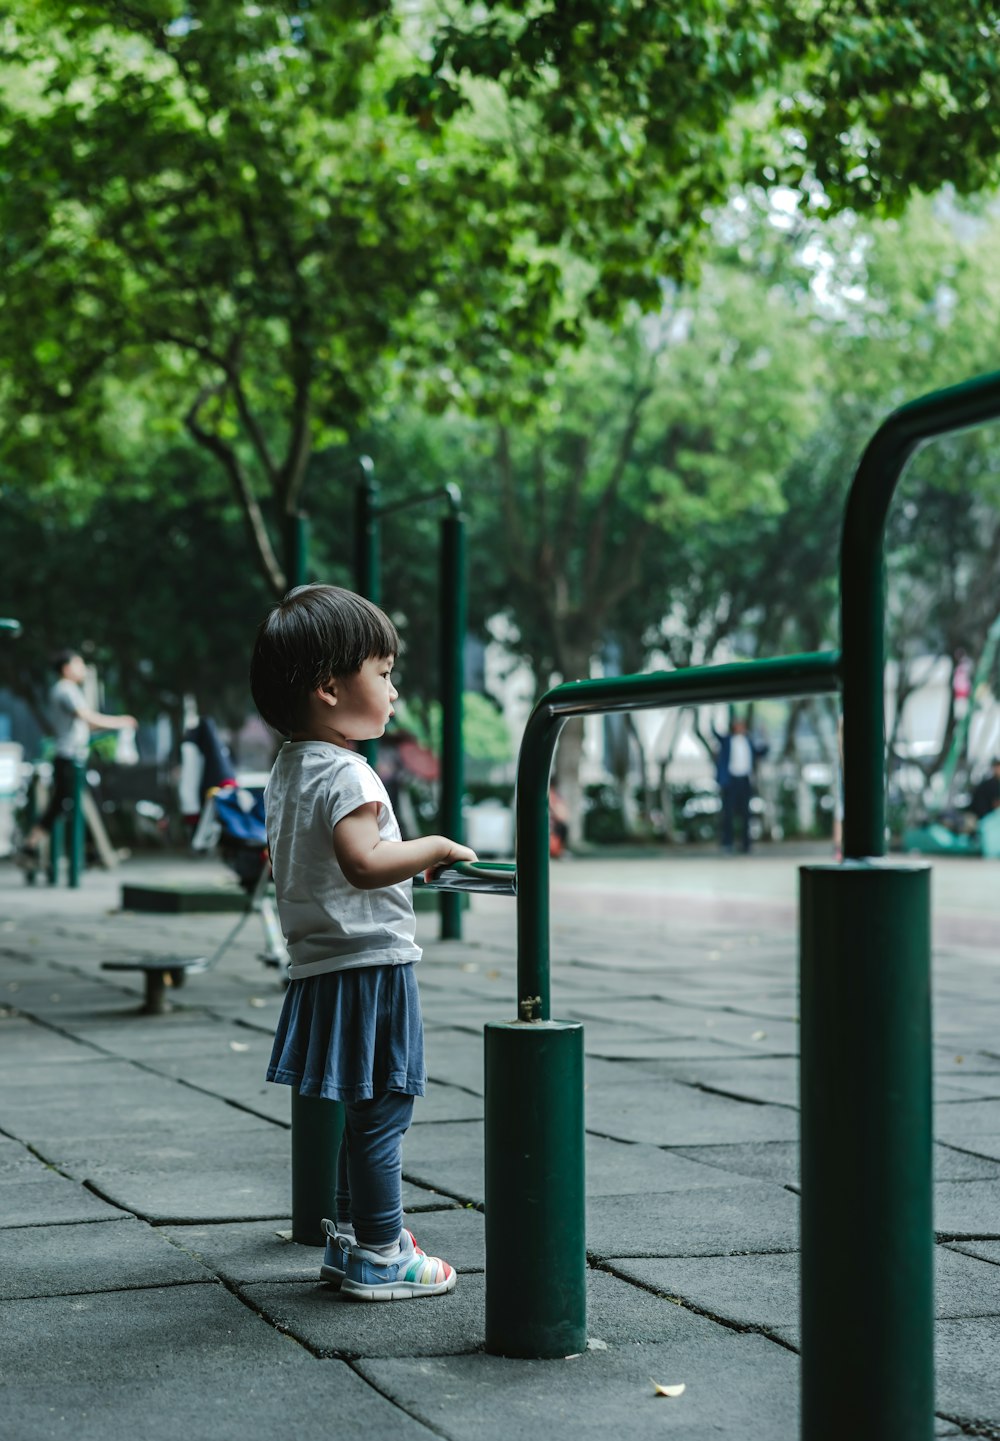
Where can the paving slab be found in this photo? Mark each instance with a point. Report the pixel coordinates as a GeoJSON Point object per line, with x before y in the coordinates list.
{"type": "Point", "coordinates": [970, 1208]}
{"type": "Point", "coordinates": [763, 1291]}
{"type": "Point", "coordinates": [183, 1361]}
{"type": "Point", "coordinates": [770, 1079]}
{"type": "Point", "coordinates": [103, 1256]}
{"type": "Point", "coordinates": [736, 1386]}
{"type": "Point", "coordinates": [723, 1222]}
{"type": "Point", "coordinates": [668, 1114]}
{"type": "Point", "coordinates": [329, 1323]}
{"type": "Point", "coordinates": [985, 1250]}
{"type": "Point", "coordinates": [961, 1120]}
{"type": "Point", "coordinates": [615, 1168]}
{"type": "Point", "coordinates": [968, 1379]}
{"type": "Point", "coordinates": [47, 1199]}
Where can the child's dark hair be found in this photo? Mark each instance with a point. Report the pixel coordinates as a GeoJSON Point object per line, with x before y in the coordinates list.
{"type": "Point", "coordinates": [314, 633]}
{"type": "Point", "coordinates": [60, 658]}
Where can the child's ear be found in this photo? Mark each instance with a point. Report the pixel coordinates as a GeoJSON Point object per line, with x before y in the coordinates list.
{"type": "Point", "coordinates": [326, 693]}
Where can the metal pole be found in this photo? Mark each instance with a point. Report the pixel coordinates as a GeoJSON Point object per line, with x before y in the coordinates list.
{"type": "Point", "coordinates": [368, 555]}
{"type": "Point", "coordinates": [297, 549]}
{"type": "Point", "coordinates": [862, 593]}
{"type": "Point", "coordinates": [77, 824]}
{"type": "Point", "coordinates": [535, 1208]}
{"type": "Point", "coordinates": [367, 536]}
{"type": "Point", "coordinates": [57, 837]}
{"type": "Point", "coordinates": [867, 1237]}
{"type": "Point", "coordinates": [868, 1365]}
{"type": "Point", "coordinates": [452, 607]}
{"type": "Point", "coordinates": [317, 1131]}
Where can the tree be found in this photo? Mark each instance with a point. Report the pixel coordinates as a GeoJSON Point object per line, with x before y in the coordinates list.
{"type": "Point", "coordinates": [150, 581]}
{"type": "Point", "coordinates": [256, 209]}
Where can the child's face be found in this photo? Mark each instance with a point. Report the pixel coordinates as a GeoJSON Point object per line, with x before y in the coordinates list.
{"type": "Point", "coordinates": [364, 700]}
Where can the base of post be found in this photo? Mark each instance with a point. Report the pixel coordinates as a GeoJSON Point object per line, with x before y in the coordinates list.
{"type": "Point", "coordinates": [535, 1207]}
{"type": "Point", "coordinates": [317, 1129]}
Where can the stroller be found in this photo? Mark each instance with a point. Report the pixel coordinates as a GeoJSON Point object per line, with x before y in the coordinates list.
{"type": "Point", "coordinates": [232, 821]}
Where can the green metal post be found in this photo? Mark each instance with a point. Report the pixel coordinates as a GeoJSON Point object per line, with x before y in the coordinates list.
{"type": "Point", "coordinates": [297, 549]}
{"type": "Point", "coordinates": [317, 1131]}
{"type": "Point", "coordinates": [535, 1190]}
{"type": "Point", "coordinates": [57, 837]}
{"type": "Point", "coordinates": [77, 824]}
{"type": "Point", "coordinates": [862, 593]}
{"type": "Point", "coordinates": [367, 535]}
{"type": "Point", "coordinates": [867, 1237]}
{"type": "Point", "coordinates": [452, 606]}
{"type": "Point", "coordinates": [868, 1355]}
{"type": "Point", "coordinates": [368, 555]}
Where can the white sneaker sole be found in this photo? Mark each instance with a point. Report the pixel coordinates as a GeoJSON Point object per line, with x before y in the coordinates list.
{"type": "Point", "coordinates": [396, 1290]}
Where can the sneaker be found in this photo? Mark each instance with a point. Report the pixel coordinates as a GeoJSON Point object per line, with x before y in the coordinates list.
{"type": "Point", "coordinates": [335, 1256]}
{"type": "Point", "coordinates": [370, 1277]}
{"type": "Point", "coordinates": [338, 1243]}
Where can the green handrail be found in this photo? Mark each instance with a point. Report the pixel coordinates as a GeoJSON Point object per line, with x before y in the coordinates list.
{"type": "Point", "coordinates": [790, 676]}
{"type": "Point", "coordinates": [862, 592]}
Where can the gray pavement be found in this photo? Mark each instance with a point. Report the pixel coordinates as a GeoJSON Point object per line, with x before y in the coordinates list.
{"type": "Point", "coordinates": [147, 1286]}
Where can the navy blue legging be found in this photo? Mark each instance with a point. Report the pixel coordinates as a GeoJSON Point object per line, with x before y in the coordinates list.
{"type": "Point", "coordinates": [370, 1167]}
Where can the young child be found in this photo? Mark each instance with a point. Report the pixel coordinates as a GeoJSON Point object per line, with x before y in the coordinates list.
{"type": "Point", "coordinates": [350, 1028]}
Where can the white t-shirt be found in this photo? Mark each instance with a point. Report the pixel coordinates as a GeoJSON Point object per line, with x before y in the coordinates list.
{"type": "Point", "coordinates": [740, 756]}
{"type": "Point", "coordinates": [72, 733]}
{"type": "Point", "coordinates": [329, 924]}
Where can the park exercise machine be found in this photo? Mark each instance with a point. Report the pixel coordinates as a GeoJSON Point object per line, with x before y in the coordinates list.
{"type": "Point", "coordinates": [867, 1235]}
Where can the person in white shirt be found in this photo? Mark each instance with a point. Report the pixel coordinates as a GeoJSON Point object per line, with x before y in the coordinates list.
{"type": "Point", "coordinates": [73, 719]}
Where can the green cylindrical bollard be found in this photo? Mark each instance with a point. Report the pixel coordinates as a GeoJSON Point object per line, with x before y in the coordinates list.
{"type": "Point", "coordinates": [57, 836]}
{"type": "Point", "coordinates": [368, 555]}
{"type": "Point", "coordinates": [77, 824]}
{"type": "Point", "coordinates": [317, 1129]}
{"type": "Point", "coordinates": [453, 610]}
{"type": "Point", "coordinates": [536, 1255]}
{"type": "Point", "coordinates": [296, 527]}
{"type": "Point", "coordinates": [867, 1224]}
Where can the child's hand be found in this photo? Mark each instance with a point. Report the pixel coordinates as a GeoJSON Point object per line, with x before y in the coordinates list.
{"type": "Point", "coordinates": [455, 852]}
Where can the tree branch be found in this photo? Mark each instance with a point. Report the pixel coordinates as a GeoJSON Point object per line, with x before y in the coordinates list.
{"type": "Point", "coordinates": [266, 557]}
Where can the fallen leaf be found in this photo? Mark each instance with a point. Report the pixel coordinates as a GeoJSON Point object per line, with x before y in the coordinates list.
{"type": "Point", "coordinates": [659, 1390]}
{"type": "Point", "coordinates": [239, 1046]}
{"type": "Point", "coordinates": [959, 1060]}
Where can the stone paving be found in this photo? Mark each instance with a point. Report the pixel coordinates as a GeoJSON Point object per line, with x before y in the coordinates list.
{"type": "Point", "coordinates": [147, 1288]}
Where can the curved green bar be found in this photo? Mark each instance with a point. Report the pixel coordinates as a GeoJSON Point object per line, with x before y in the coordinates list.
{"type": "Point", "coordinates": [761, 679]}
{"type": "Point", "coordinates": [862, 592]}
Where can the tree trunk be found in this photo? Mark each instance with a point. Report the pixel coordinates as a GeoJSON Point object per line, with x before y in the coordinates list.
{"type": "Point", "coordinates": [569, 755]}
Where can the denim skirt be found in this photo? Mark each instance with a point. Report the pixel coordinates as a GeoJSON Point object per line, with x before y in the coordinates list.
{"type": "Point", "coordinates": [351, 1035]}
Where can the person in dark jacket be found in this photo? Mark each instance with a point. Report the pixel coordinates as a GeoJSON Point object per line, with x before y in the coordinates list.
{"type": "Point", "coordinates": [735, 759]}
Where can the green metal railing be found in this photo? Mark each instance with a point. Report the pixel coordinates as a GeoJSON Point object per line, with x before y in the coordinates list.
{"type": "Point", "coordinates": [867, 1238]}
{"type": "Point", "coordinates": [862, 591]}
{"type": "Point", "coordinates": [791, 676]}
{"type": "Point", "coordinates": [370, 511]}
